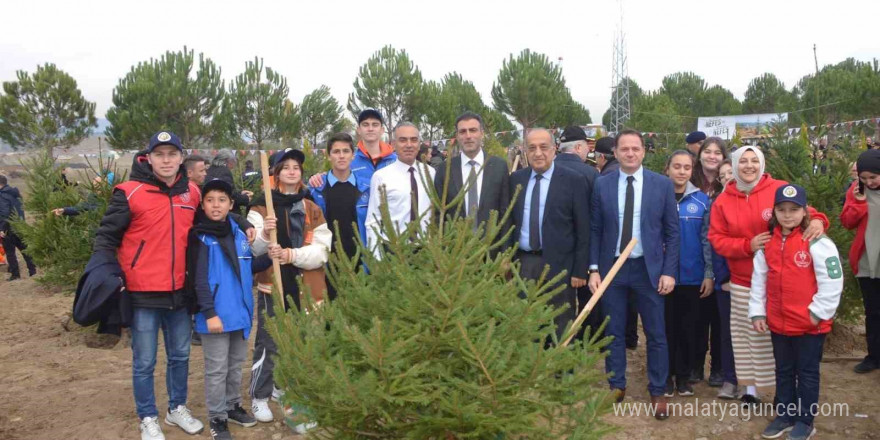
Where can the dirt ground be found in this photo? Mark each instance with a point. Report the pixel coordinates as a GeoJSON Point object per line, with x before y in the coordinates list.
{"type": "Point", "coordinates": [60, 384]}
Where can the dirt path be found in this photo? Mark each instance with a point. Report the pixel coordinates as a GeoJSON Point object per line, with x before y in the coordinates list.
{"type": "Point", "coordinates": [54, 386]}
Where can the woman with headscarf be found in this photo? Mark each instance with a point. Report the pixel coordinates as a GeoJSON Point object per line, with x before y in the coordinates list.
{"type": "Point", "coordinates": [738, 228]}
{"type": "Point", "coordinates": [861, 212]}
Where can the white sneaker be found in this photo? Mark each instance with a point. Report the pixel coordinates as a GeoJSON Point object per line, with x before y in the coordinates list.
{"type": "Point", "coordinates": [303, 428]}
{"type": "Point", "coordinates": [182, 418]}
{"type": "Point", "coordinates": [260, 408]}
{"type": "Point", "coordinates": [150, 429]}
{"type": "Point", "coordinates": [277, 394]}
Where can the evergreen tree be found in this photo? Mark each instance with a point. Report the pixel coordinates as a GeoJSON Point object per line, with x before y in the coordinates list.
{"type": "Point", "coordinates": [320, 112]}
{"type": "Point", "coordinates": [46, 110]}
{"type": "Point", "coordinates": [258, 108]}
{"type": "Point", "coordinates": [438, 341]}
{"type": "Point", "coordinates": [391, 83]}
{"type": "Point", "coordinates": [767, 94]}
{"type": "Point", "coordinates": [530, 88]}
{"type": "Point", "coordinates": [172, 93]}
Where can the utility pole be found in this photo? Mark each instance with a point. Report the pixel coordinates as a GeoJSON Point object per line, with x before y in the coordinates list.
{"type": "Point", "coordinates": [620, 99]}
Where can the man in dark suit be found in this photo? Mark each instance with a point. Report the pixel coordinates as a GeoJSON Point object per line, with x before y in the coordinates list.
{"type": "Point", "coordinates": [484, 178]}
{"type": "Point", "coordinates": [635, 203]}
{"type": "Point", "coordinates": [573, 150]}
{"type": "Point", "coordinates": [551, 222]}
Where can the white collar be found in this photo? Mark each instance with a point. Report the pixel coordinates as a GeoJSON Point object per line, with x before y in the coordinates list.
{"type": "Point", "coordinates": [479, 158]}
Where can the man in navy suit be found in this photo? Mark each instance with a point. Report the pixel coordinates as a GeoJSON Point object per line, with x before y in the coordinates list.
{"type": "Point", "coordinates": [635, 203]}
{"type": "Point", "coordinates": [551, 222]}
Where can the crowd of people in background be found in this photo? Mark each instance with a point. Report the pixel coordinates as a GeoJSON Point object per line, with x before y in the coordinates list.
{"type": "Point", "coordinates": [721, 260]}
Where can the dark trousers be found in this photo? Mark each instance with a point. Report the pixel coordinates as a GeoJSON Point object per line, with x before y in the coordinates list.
{"type": "Point", "coordinates": [682, 311]}
{"type": "Point", "coordinates": [797, 375]}
{"type": "Point", "coordinates": [728, 367]}
{"type": "Point", "coordinates": [709, 325]}
{"type": "Point", "coordinates": [632, 320]}
{"type": "Point", "coordinates": [10, 243]}
{"type": "Point", "coordinates": [871, 296]}
{"type": "Point", "coordinates": [262, 381]}
{"type": "Point", "coordinates": [594, 318]}
{"type": "Point", "coordinates": [531, 266]}
{"type": "Point", "coordinates": [633, 277]}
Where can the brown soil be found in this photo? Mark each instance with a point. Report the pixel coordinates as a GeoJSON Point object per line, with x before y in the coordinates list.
{"type": "Point", "coordinates": [60, 381]}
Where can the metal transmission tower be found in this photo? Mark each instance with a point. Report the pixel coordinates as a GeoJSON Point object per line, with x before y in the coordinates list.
{"type": "Point", "coordinates": [620, 103]}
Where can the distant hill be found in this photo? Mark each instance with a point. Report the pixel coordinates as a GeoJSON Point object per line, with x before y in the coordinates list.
{"type": "Point", "coordinates": [89, 144]}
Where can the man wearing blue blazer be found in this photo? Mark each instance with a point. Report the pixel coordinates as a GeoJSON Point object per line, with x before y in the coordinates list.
{"type": "Point", "coordinates": [635, 203]}
{"type": "Point", "coordinates": [552, 222]}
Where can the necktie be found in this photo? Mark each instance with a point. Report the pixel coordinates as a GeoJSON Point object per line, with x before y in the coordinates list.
{"type": "Point", "coordinates": [534, 211]}
{"type": "Point", "coordinates": [627, 233]}
{"type": "Point", "coordinates": [472, 195]}
{"type": "Point", "coordinates": [414, 193]}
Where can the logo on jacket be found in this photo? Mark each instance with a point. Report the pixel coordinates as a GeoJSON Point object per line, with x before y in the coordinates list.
{"type": "Point", "coordinates": [245, 247]}
{"type": "Point", "coordinates": [692, 208]}
{"type": "Point", "coordinates": [184, 197]}
{"type": "Point", "coordinates": [802, 259]}
{"type": "Point", "coordinates": [164, 137]}
{"type": "Point", "coordinates": [767, 214]}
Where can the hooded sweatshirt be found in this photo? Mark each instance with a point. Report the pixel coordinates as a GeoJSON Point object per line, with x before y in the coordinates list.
{"type": "Point", "coordinates": [737, 217]}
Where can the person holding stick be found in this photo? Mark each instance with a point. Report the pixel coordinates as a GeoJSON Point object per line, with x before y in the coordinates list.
{"type": "Point", "coordinates": [634, 203]}
{"type": "Point", "coordinates": [306, 240]}
{"type": "Point", "coordinates": [551, 222]}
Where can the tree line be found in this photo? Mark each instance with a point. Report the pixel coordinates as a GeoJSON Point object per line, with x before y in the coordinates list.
{"type": "Point", "coordinates": [184, 92]}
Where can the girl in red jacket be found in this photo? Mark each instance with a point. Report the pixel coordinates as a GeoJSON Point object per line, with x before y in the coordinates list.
{"type": "Point", "coordinates": [738, 229]}
{"type": "Point", "coordinates": [861, 212]}
{"type": "Point", "coordinates": [796, 287]}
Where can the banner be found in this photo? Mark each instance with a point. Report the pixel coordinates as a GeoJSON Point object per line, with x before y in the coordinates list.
{"type": "Point", "coordinates": [746, 126]}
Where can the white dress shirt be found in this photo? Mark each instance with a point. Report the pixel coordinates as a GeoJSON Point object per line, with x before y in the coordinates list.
{"type": "Point", "coordinates": [466, 172]}
{"type": "Point", "coordinates": [395, 179]}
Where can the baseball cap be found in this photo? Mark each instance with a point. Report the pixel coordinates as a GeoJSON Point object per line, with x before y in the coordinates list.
{"type": "Point", "coordinates": [164, 138]}
{"type": "Point", "coordinates": [217, 184]}
{"type": "Point", "coordinates": [791, 193]}
{"type": "Point", "coordinates": [605, 145]}
{"type": "Point", "coordinates": [693, 138]}
{"type": "Point", "coordinates": [370, 113]}
{"type": "Point", "coordinates": [572, 133]}
{"type": "Point", "coordinates": [287, 153]}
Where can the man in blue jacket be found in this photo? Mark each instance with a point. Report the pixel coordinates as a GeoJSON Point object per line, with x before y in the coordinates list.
{"type": "Point", "coordinates": [10, 208]}
{"type": "Point", "coordinates": [634, 203]}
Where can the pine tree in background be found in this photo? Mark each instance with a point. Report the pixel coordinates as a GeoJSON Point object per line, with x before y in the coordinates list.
{"type": "Point", "coordinates": [438, 342]}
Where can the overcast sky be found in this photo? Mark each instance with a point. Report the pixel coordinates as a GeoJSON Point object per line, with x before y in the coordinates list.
{"type": "Point", "coordinates": [324, 42]}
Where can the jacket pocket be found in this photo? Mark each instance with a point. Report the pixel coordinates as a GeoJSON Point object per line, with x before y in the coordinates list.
{"type": "Point", "coordinates": [137, 254]}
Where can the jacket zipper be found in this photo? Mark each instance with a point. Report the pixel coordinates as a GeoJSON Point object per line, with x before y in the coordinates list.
{"type": "Point", "coordinates": [171, 204]}
{"type": "Point", "coordinates": [137, 254]}
{"type": "Point", "coordinates": [782, 312]}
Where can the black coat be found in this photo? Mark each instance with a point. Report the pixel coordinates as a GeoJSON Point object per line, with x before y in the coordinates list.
{"type": "Point", "coordinates": [100, 297]}
{"type": "Point", "coordinates": [10, 206]}
{"type": "Point", "coordinates": [495, 191]}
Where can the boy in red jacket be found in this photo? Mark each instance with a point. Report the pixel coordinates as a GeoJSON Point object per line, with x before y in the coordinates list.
{"type": "Point", "coordinates": [796, 287]}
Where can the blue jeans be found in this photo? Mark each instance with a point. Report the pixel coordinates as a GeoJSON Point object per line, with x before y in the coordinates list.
{"type": "Point", "coordinates": [177, 332]}
{"type": "Point", "coordinates": [633, 277]}
{"type": "Point", "coordinates": [797, 375]}
{"type": "Point", "coordinates": [728, 367]}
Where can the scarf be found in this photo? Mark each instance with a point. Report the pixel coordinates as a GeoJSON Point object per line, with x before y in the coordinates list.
{"type": "Point", "coordinates": [734, 160]}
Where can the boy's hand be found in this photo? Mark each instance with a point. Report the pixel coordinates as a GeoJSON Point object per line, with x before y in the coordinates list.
{"type": "Point", "coordinates": [760, 325]}
{"type": "Point", "coordinates": [215, 325]}
{"type": "Point", "coordinates": [268, 226]}
{"type": "Point", "coordinates": [317, 180]}
{"type": "Point", "coordinates": [707, 287]}
{"type": "Point", "coordinates": [276, 252]}
{"type": "Point", "coordinates": [251, 235]}
{"type": "Point", "coordinates": [814, 320]}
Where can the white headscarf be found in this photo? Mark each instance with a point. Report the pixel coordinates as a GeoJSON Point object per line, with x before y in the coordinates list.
{"type": "Point", "coordinates": [734, 159]}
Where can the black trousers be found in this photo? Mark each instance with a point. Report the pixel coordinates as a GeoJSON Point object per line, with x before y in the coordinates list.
{"type": "Point", "coordinates": [10, 243]}
{"type": "Point", "coordinates": [531, 266]}
{"type": "Point", "coordinates": [871, 296]}
{"type": "Point", "coordinates": [682, 311]}
{"type": "Point", "coordinates": [594, 318]}
{"type": "Point", "coordinates": [708, 335]}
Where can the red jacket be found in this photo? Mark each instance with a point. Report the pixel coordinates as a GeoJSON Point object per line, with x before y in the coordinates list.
{"type": "Point", "coordinates": [794, 279]}
{"type": "Point", "coordinates": [855, 216]}
{"type": "Point", "coordinates": [737, 217]}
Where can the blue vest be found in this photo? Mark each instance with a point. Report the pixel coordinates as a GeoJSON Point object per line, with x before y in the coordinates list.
{"type": "Point", "coordinates": [692, 266]}
{"type": "Point", "coordinates": [363, 186]}
{"type": "Point", "coordinates": [233, 295]}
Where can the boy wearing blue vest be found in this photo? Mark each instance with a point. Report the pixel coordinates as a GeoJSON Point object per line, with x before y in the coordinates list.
{"type": "Point", "coordinates": [221, 268]}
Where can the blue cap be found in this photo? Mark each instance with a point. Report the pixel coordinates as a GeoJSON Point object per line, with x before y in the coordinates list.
{"type": "Point", "coordinates": [164, 138]}
{"type": "Point", "coordinates": [791, 193]}
{"type": "Point", "coordinates": [217, 184]}
{"type": "Point", "coordinates": [370, 113]}
{"type": "Point", "coordinates": [693, 138]}
{"type": "Point", "coordinates": [287, 153]}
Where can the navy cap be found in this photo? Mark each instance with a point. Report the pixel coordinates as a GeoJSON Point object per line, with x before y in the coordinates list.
{"type": "Point", "coordinates": [217, 184]}
{"type": "Point", "coordinates": [287, 153]}
{"type": "Point", "coordinates": [164, 138]}
{"type": "Point", "coordinates": [572, 133]}
{"type": "Point", "coordinates": [605, 145]}
{"type": "Point", "coordinates": [370, 113]}
{"type": "Point", "coordinates": [791, 193]}
{"type": "Point", "coordinates": [693, 138]}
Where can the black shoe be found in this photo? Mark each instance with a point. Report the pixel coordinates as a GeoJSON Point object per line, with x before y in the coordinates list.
{"type": "Point", "coordinates": [240, 416]}
{"type": "Point", "coordinates": [219, 430]}
{"type": "Point", "coordinates": [865, 366]}
{"type": "Point", "coordinates": [632, 345]}
{"type": "Point", "coordinates": [715, 379]}
{"type": "Point", "coordinates": [696, 377]}
{"type": "Point", "coordinates": [13, 277]}
{"type": "Point", "coordinates": [670, 388]}
{"type": "Point", "coordinates": [685, 389]}
{"type": "Point", "coordinates": [32, 271]}
{"type": "Point", "coordinates": [750, 400]}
